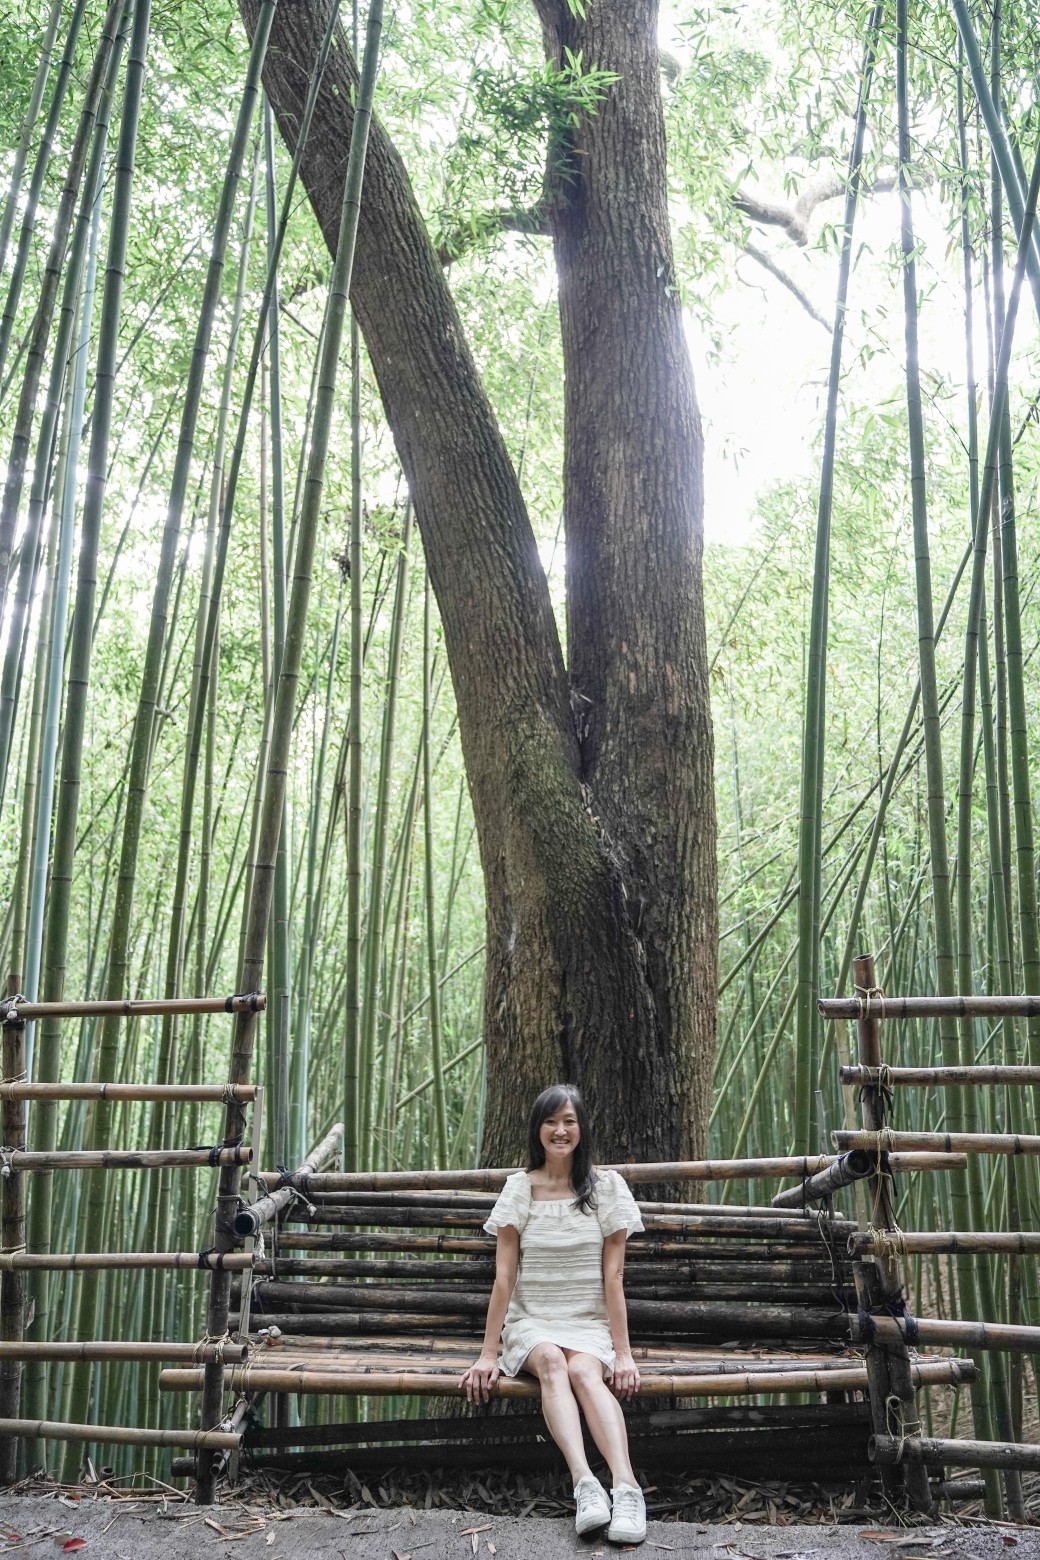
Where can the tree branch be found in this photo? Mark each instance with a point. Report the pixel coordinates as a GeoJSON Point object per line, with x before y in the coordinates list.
{"type": "Point", "coordinates": [770, 265]}
{"type": "Point", "coordinates": [533, 219]}
{"type": "Point", "coordinates": [794, 219]}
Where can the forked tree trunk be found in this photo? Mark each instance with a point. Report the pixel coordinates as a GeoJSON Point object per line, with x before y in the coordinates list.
{"type": "Point", "coordinates": [593, 803]}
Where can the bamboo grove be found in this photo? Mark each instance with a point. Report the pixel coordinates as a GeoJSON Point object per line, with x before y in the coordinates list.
{"type": "Point", "coordinates": [211, 577]}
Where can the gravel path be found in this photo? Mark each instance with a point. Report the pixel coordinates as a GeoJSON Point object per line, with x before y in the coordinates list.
{"type": "Point", "coordinates": [126, 1530]}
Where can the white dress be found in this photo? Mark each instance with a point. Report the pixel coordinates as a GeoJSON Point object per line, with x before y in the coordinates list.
{"type": "Point", "coordinates": [559, 1296]}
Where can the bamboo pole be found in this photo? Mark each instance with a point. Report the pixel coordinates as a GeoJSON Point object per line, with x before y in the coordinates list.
{"type": "Point", "coordinates": [961, 1335]}
{"type": "Point", "coordinates": [249, 1221]}
{"type": "Point", "coordinates": [854, 1166]}
{"type": "Point", "coordinates": [115, 1435]}
{"type": "Point", "coordinates": [878, 1006]}
{"type": "Point", "coordinates": [12, 1226]}
{"type": "Point", "coordinates": [129, 1159]}
{"type": "Point", "coordinates": [149, 1007]}
{"type": "Point", "coordinates": [766, 1246]}
{"type": "Point", "coordinates": [213, 1093]}
{"type": "Point", "coordinates": [107, 1349]}
{"type": "Point", "coordinates": [944, 1142]}
{"type": "Point", "coordinates": [888, 1449]}
{"type": "Point", "coordinates": [938, 1077]}
{"type": "Point", "coordinates": [850, 1378]}
{"type": "Point", "coordinates": [1011, 1242]}
{"type": "Point", "coordinates": [784, 1223]}
{"type": "Point", "coordinates": [492, 1180]}
{"type": "Point", "coordinates": [94, 1261]}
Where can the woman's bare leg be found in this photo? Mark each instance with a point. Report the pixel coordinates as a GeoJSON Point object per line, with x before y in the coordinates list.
{"type": "Point", "coordinates": [603, 1414]}
{"type": "Point", "coordinates": [559, 1409]}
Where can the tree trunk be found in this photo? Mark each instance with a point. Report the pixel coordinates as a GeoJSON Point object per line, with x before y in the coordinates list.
{"type": "Point", "coordinates": [596, 834]}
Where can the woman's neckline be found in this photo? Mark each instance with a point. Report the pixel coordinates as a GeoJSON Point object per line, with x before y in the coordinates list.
{"type": "Point", "coordinates": [535, 1199]}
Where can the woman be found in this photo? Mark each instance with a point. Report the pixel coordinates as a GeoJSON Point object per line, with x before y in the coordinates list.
{"type": "Point", "coordinates": [558, 1305]}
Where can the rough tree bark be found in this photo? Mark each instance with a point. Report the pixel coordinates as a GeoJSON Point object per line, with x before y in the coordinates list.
{"type": "Point", "coordinates": [593, 794]}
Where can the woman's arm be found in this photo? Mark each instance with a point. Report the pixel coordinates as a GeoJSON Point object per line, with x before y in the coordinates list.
{"type": "Point", "coordinates": [481, 1377]}
{"type": "Point", "coordinates": [626, 1375]}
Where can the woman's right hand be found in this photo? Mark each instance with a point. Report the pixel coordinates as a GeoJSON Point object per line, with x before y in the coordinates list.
{"type": "Point", "coordinates": [479, 1381]}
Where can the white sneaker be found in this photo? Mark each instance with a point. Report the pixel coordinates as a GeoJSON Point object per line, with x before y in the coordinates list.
{"type": "Point", "coordinates": [628, 1521]}
{"type": "Point", "coordinates": [593, 1506]}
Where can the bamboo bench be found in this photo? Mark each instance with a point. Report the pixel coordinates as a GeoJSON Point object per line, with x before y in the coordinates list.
{"type": "Point", "coordinates": [370, 1290]}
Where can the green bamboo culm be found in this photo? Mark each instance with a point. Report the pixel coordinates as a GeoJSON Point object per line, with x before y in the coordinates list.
{"type": "Point", "coordinates": [23, 252]}
{"type": "Point", "coordinates": [353, 1109]}
{"type": "Point", "coordinates": [289, 671]}
{"type": "Point", "coordinates": [25, 137]}
{"type": "Point", "coordinates": [436, 1047]}
{"type": "Point", "coordinates": [56, 932]}
{"type": "Point", "coordinates": [810, 816]}
{"type": "Point", "coordinates": [95, 1205]}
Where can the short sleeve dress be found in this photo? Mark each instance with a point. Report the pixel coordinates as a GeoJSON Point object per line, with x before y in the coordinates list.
{"type": "Point", "coordinates": [559, 1296]}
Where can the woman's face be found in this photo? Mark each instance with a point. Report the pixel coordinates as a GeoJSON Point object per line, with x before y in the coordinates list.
{"type": "Point", "coordinates": [560, 1134]}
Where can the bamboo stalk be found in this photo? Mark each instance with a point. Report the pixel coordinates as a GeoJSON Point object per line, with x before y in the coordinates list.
{"type": "Point", "coordinates": [854, 1166]}
{"type": "Point", "coordinates": [767, 1248]}
{"type": "Point", "coordinates": [249, 1221]}
{"type": "Point", "coordinates": [116, 1435]}
{"type": "Point", "coordinates": [106, 1349]}
{"type": "Point", "coordinates": [938, 1077]}
{"type": "Point", "coordinates": [849, 1378]}
{"type": "Point", "coordinates": [887, 1449]}
{"type": "Point", "coordinates": [477, 1271]}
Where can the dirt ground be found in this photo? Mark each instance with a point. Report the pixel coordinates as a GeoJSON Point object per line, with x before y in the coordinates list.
{"type": "Point", "coordinates": [105, 1528]}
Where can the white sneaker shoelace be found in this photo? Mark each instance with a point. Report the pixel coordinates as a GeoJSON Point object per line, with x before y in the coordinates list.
{"type": "Point", "coordinates": [628, 1521]}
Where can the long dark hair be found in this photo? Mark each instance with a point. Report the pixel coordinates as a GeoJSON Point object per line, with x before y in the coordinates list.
{"type": "Point", "coordinates": [583, 1174]}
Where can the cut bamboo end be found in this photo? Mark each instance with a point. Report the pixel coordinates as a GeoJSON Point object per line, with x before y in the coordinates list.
{"type": "Point", "coordinates": [117, 1435]}
{"type": "Point", "coordinates": [940, 1142]}
{"type": "Point", "coordinates": [92, 1261]}
{"type": "Point", "coordinates": [852, 1378]}
{"type": "Point", "coordinates": [889, 1449]}
{"type": "Point", "coordinates": [249, 1221]}
{"type": "Point", "coordinates": [214, 1093]}
{"type": "Point", "coordinates": [936, 1077]}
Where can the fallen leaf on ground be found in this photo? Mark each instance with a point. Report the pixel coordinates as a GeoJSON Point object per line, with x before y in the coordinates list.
{"type": "Point", "coordinates": [74, 1543]}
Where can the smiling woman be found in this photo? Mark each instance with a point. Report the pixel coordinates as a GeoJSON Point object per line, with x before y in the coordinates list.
{"type": "Point", "coordinates": [557, 1309]}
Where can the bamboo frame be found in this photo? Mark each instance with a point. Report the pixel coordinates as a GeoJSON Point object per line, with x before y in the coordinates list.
{"type": "Point", "coordinates": [938, 1077]}
{"type": "Point", "coordinates": [943, 1142]}
{"type": "Point", "coordinates": [887, 1450]}
{"type": "Point", "coordinates": [150, 1007]}
{"type": "Point", "coordinates": [849, 1378]}
{"type": "Point", "coordinates": [781, 1168]}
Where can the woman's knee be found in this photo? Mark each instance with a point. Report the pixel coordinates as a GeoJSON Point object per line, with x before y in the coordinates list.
{"type": "Point", "coordinates": [584, 1371]}
{"type": "Point", "coordinates": [548, 1363]}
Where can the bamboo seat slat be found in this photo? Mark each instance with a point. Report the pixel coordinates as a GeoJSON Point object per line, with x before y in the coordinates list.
{"type": "Point", "coordinates": [492, 1180]}
{"type": "Point", "coordinates": [104, 1349]}
{"type": "Point", "coordinates": [737, 1383]}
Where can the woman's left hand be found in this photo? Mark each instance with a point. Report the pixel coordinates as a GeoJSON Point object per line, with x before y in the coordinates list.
{"type": "Point", "coordinates": [625, 1380]}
